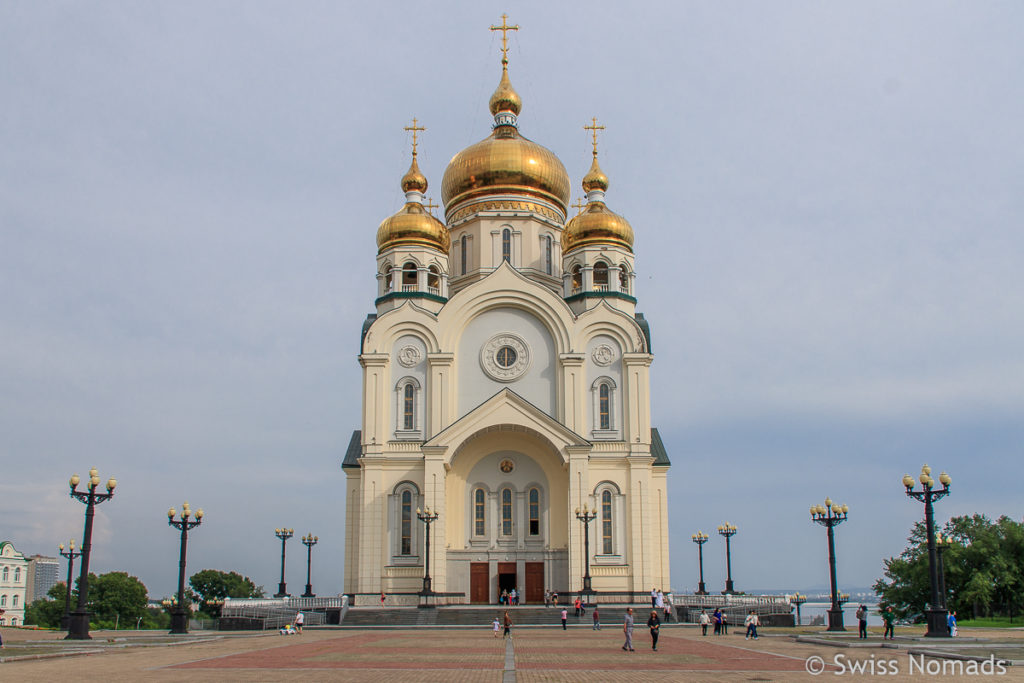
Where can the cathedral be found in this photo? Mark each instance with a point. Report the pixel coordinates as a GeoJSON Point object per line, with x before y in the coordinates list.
{"type": "Point", "coordinates": [506, 437]}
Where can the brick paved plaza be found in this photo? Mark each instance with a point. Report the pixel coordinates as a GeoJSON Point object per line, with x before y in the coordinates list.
{"type": "Point", "coordinates": [537, 654]}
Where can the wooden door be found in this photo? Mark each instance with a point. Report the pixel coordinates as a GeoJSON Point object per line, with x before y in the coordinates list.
{"type": "Point", "coordinates": [479, 574]}
{"type": "Point", "coordinates": [534, 582]}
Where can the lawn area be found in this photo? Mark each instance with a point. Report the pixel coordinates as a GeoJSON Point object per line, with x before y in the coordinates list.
{"type": "Point", "coordinates": [992, 622]}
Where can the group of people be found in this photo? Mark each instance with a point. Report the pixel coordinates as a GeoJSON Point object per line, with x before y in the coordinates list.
{"type": "Point", "coordinates": [658, 601]}
{"type": "Point", "coordinates": [550, 598]}
{"type": "Point", "coordinates": [295, 627]}
{"type": "Point", "coordinates": [719, 619]}
{"type": "Point", "coordinates": [509, 597]}
{"type": "Point", "coordinates": [653, 624]}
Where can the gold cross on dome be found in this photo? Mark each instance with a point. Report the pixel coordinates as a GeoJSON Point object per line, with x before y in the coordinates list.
{"type": "Point", "coordinates": [593, 127]}
{"type": "Point", "coordinates": [414, 128]}
{"type": "Point", "coordinates": [579, 205]}
{"type": "Point", "coordinates": [430, 205]}
{"type": "Point", "coordinates": [504, 28]}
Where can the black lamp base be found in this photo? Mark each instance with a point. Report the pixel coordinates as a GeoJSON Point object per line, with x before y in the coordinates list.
{"type": "Point", "coordinates": [835, 619]}
{"type": "Point", "coordinates": [937, 624]}
{"type": "Point", "coordinates": [179, 621]}
{"type": "Point", "coordinates": [78, 626]}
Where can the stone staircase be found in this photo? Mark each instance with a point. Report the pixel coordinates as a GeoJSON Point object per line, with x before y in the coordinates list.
{"type": "Point", "coordinates": [482, 616]}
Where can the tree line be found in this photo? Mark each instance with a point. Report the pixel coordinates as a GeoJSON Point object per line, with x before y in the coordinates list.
{"type": "Point", "coordinates": [117, 599]}
{"type": "Point", "coordinates": [984, 570]}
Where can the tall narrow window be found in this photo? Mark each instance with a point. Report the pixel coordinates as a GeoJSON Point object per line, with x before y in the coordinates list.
{"type": "Point", "coordinates": [606, 522]}
{"type": "Point", "coordinates": [17, 574]}
{"type": "Point", "coordinates": [7, 573]}
{"type": "Point", "coordinates": [463, 248]}
{"type": "Point", "coordinates": [506, 245]}
{"type": "Point", "coordinates": [408, 407]}
{"type": "Point", "coordinates": [479, 517]}
{"type": "Point", "coordinates": [406, 523]}
{"type": "Point", "coordinates": [547, 254]}
{"type": "Point", "coordinates": [600, 277]}
{"type": "Point", "coordinates": [603, 400]}
{"type": "Point", "coordinates": [534, 512]}
{"type": "Point", "coordinates": [388, 283]}
{"type": "Point", "coordinates": [577, 279]}
{"type": "Point", "coordinates": [623, 279]}
{"type": "Point", "coordinates": [409, 277]}
{"type": "Point", "coordinates": [506, 512]}
{"type": "Point", "coordinates": [3, 600]}
{"type": "Point", "coordinates": [14, 601]}
{"type": "Point", "coordinates": [434, 280]}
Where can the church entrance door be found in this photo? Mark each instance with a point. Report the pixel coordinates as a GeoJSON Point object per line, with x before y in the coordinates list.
{"type": "Point", "coordinates": [507, 576]}
{"type": "Point", "coordinates": [534, 582]}
{"type": "Point", "coordinates": [479, 575]}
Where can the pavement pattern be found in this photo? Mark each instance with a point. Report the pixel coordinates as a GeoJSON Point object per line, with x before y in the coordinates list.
{"type": "Point", "coordinates": [470, 655]}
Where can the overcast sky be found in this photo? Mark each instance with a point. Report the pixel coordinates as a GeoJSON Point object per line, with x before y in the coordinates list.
{"type": "Point", "coordinates": [827, 200]}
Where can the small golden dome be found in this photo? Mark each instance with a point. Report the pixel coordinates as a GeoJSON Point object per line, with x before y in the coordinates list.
{"type": "Point", "coordinates": [597, 225]}
{"type": "Point", "coordinates": [412, 226]}
{"type": "Point", "coordinates": [414, 180]}
{"type": "Point", "coordinates": [505, 98]}
{"type": "Point", "coordinates": [595, 178]}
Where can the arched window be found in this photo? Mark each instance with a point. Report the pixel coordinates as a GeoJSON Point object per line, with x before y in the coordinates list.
{"type": "Point", "coordinates": [434, 280]}
{"type": "Point", "coordinates": [409, 277]}
{"type": "Point", "coordinates": [506, 512]}
{"type": "Point", "coordinates": [534, 512]}
{"type": "Point", "coordinates": [479, 513]}
{"type": "Point", "coordinates": [17, 574]}
{"type": "Point", "coordinates": [577, 279]}
{"type": "Point", "coordinates": [388, 278]}
{"type": "Point", "coordinates": [14, 601]}
{"type": "Point", "coordinates": [3, 600]}
{"type": "Point", "coordinates": [406, 523]}
{"type": "Point", "coordinates": [7, 573]}
{"type": "Point", "coordinates": [547, 255]}
{"type": "Point", "coordinates": [506, 245]}
{"type": "Point", "coordinates": [409, 407]}
{"type": "Point", "coordinates": [624, 279]}
{"type": "Point", "coordinates": [601, 276]}
{"type": "Point", "coordinates": [463, 256]}
{"type": "Point", "coordinates": [606, 522]}
{"type": "Point", "coordinates": [604, 413]}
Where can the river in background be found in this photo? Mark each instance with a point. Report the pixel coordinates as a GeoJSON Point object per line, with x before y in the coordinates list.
{"type": "Point", "coordinates": [809, 610]}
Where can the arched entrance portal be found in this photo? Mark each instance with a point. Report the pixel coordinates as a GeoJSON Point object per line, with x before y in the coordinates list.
{"type": "Point", "coordinates": [507, 507]}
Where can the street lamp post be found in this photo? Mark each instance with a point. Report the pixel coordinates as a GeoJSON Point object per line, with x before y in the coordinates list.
{"type": "Point", "coordinates": [586, 516]}
{"type": "Point", "coordinates": [798, 600]}
{"type": "Point", "coordinates": [78, 624]}
{"type": "Point", "coordinates": [71, 555]}
{"type": "Point", "coordinates": [941, 545]}
{"type": "Point", "coordinates": [830, 515]}
{"type": "Point", "coordinates": [728, 530]}
{"type": "Point", "coordinates": [180, 612]}
{"type": "Point", "coordinates": [700, 538]}
{"type": "Point", "coordinates": [309, 541]}
{"type": "Point", "coordinates": [284, 535]}
{"type": "Point", "coordinates": [936, 612]}
{"type": "Point", "coordinates": [428, 518]}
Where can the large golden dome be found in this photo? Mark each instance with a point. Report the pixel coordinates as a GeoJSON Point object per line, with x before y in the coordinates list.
{"type": "Point", "coordinates": [413, 225]}
{"type": "Point", "coordinates": [597, 224]}
{"type": "Point", "coordinates": [505, 162]}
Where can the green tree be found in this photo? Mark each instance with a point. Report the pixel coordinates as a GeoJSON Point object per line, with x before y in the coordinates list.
{"type": "Point", "coordinates": [116, 597]}
{"type": "Point", "coordinates": [46, 612]}
{"type": "Point", "coordinates": [211, 584]}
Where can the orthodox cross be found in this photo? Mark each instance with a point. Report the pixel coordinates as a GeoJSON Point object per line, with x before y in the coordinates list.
{"type": "Point", "coordinates": [579, 205]}
{"type": "Point", "coordinates": [430, 205]}
{"type": "Point", "coordinates": [504, 28]}
{"type": "Point", "coordinates": [415, 129]}
{"type": "Point", "coordinates": [593, 127]}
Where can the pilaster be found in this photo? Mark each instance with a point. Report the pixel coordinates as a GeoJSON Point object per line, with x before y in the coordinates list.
{"type": "Point", "coordinates": [637, 403]}
{"type": "Point", "coordinates": [440, 400]}
{"type": "Point", "coordinates": [375, 396]}
{"type": "Point", "coordinates": [571, 399]}
{"type": "Point", "coordinates": [435, 497]}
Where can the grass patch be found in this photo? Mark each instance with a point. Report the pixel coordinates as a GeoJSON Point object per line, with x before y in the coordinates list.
{"type": "Point", "coordinates": [992, 622]}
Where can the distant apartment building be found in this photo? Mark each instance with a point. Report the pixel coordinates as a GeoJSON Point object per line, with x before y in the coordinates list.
{"type": "Point", "coordinates": [43, 574]}
{"type": "Point", "coordinates": [13, 584]}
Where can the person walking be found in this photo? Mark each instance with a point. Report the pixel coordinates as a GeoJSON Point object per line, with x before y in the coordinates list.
{"type": "Point", "coordinates": [654, 623]}
{"type": "Point", "coordinates": [547, 598]}
{"type": "Point", "coordinates": [554, 598]}
{"type": "Point", "coordinates": [576, 607]}
{"type": "Point", "coordinates": [508, 625]}
{"type": "Point", "coordinates": [565, 616]}
{"type": "Point", "coordinates": [725, 624]}
{"type": "Point", "coordinates": [951, 624]}
{"type": "Point", "coordinates": [705, 621]}
{"type": "Point", "coordinates": [889, 617]}
{"type": "Point", "coordinates": [654, 597]}
{"type": "Point", "coordinates": [497, 625]}
{"type": "Point", "coordinates": [668, 609]}
{"type": "Point", "coordinates": [627, 629]}
{"type": "Point", "coordinates": [597, 619]}
{"type": "Point", "coordinates": [751, 622]}
{"type": "Point", "coordinates": [299, 618]}
{"type": "Point", "coordinates": [862, 622]}
{"type": "Point", "coordinates": [717, 618]}
{"type": "Point", "coordinates": [382, 596]}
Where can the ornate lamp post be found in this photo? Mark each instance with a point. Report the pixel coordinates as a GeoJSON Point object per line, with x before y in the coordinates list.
{"type": "Point", "coordinates": [180, 613]}
{"type": "Point", "coordinates": [71, 555]}
{"type": "Point", "coordinates": [728, 530]}
{"type": "Point", "coordinates": [428, 518]}
{"type": "Point", "coordinates": [309, 541]}
{"type": "Point", "coordinates": [941, 545]}
{"type": "Point", "coordinates": [936, 612]}
{"type": "Point", "coordinates": [586, 516]}
{"type": "Point", "coordinates": [700, 538]}
{"type": "Point", "coordinates": [798, 600]}
{"type": "Point", "coordinates": [284, 535]}
{"type": "Point", "coordinates": [78, 624]}
{"type": "Point", "coordinates": [830, 515]}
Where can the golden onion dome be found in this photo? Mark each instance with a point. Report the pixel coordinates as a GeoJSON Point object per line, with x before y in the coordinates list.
{"type": "Point", "coordinates": [597, 224]}
{"type": "Point", "coordinates": [413, 225]}
{"type": "Point", "coordinates": [505, 162]}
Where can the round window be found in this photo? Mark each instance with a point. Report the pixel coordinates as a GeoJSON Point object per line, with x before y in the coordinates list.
{"type": "Point", "coordinates": [506, 356]}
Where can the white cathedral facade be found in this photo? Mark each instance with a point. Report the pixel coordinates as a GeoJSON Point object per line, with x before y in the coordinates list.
{"type": "Point", "coordinates": [506, 389]}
